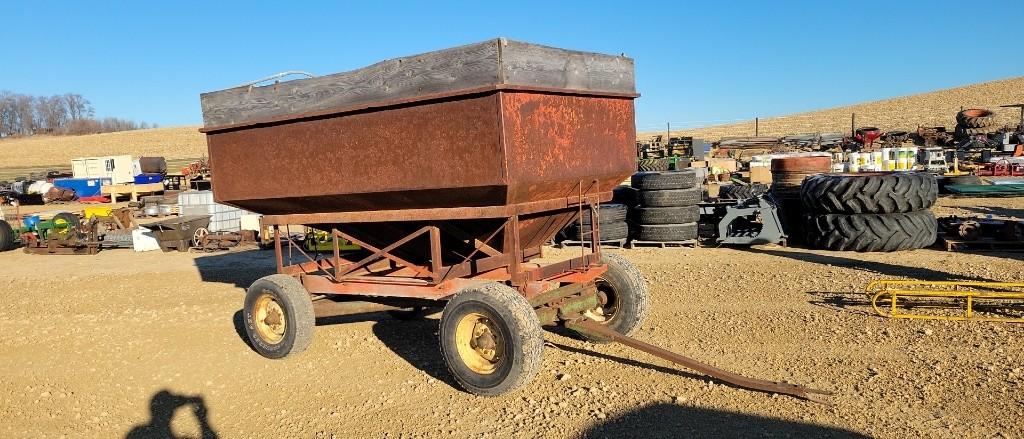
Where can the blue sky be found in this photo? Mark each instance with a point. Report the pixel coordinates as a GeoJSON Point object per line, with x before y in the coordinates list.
{"type": "Point", "coordinates": [697, 63]}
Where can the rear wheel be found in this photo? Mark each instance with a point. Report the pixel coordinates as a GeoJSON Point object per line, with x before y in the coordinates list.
{"type": "Point", "coordinates": [279, 317]}
{"type": "Point", "coordinates": [623, 298]}
{"type": "Point", "coordinates": [6, 236]}
{"type": "Point", "coordinates": [491, 339]}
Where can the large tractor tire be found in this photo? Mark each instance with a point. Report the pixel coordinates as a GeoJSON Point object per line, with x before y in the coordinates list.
{"type": "Point", "coordinates": [645, 165]}
{"type": "Point", "coordinates": [975, 118]}
{"type": "Point", "coordinates": [278, 315]}
{"type": "Point", "coordinates": [871, 232]}
{"type": "Point", "coordinates": [742, 192]}
{"type": "Point", "coordinates": [7, 241]}
{"type": "Point", "coordinates": [872, 192]}
{"type": "Point", "coordinates": [623, 298]}
{"type": "Point", "coordinates": [491, 339]}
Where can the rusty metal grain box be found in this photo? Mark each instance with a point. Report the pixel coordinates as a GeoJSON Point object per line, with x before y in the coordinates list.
{"type": "Point", "coordinates": [493, 123]}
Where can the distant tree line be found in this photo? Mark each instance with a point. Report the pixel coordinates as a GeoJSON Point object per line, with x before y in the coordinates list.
{"type": "Point", "coordinates": [70, 113]}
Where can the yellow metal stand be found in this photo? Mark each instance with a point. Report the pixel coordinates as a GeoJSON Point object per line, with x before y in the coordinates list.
{"type": "Point", "coordinates": [891, 291]}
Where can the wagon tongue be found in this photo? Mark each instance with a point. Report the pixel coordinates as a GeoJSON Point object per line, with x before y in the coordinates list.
{"type": "Point", "coordinates": [592, 327]}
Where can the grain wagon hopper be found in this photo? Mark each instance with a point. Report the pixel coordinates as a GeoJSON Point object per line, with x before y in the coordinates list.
{"type": "Point", "coordinates": [451, 170]}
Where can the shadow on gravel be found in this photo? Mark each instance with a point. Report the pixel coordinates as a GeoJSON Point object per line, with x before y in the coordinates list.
{"type": "Point", "coordinates": [994, 211]}
{"type": "Point", "coordinates": [630, 362]}
{"type": "Point", "coordinates": [852, 302]}
{"type": "Point", "coordinates": [416, 342]}
{"type": "Point", "coordinates": [162, 408]}
{"type": "Point", "coordinates": [882, 268]}
{"type": "Point", "coordinates": [239, 268]}
{"type": "Point", "coordinates": [239, 322]}
{"type": "Point", "coordinates": [678, 421]}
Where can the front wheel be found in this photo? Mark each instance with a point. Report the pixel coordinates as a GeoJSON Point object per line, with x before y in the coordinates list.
{"type": "Point", "coordinates": [279, 317]}
{"type": "Point", "coordinates": [491, 339]}
{"type": "Point", "coordinates": [623, 298]}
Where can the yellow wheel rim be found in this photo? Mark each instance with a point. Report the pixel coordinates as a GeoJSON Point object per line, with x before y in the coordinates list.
{"type": "Point", "coordinates": [479, 342]}
{"type": "Point", "coordinates": [270, 319]}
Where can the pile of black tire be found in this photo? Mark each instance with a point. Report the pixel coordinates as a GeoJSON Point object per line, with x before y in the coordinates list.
{"type": "Point", "coordinates": [872, 212]}
{"type": "Point", "coordinates": [612, 224]}
{"type": "Point", "coordinates": [975, 121]}
{"type": "Point", "coordinates": [665, 206]}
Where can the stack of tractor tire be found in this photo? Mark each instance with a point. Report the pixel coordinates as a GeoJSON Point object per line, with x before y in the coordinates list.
{"type": "Point", "coordinates": [869, 212]}
{"type": "Point", "coordinates": [975, 121]}
{"type": "Point", "coordinates": [665, 206]}
{"type": "Point", "coordinates": [788, 173]}
{"type": "Point", "coordinates": [612, 224]}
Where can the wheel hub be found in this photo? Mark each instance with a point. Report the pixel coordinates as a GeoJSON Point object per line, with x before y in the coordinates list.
{"type": "Point", "coordinates": [270, 319]}
{"type": "Point", "coordinates": [479, 343]}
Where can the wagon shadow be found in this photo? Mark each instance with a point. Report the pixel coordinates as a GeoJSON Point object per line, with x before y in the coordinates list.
{"type": "Point", "coordinates": [415, 341]}
{"type": "Point", "coordinates": [676, 421]}
{"type": "Point", "coordinates": [238, 268]}
{"type": "Point", "coordinates": [238, 321]}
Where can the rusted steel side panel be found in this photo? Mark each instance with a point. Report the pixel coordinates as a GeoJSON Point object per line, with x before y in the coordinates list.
{"type": "Point", "coordinates": [560, 145]}
{"type": "Point", "coordinates": [553, 142]}
{"type": "Point", "coordinates": [444, 154]}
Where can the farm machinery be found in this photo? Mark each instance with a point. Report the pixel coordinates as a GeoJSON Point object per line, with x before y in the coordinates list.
{"type": "Point", "coordinates": [65, 232]}
{"type": "Point", "coordinates": [514, 142]}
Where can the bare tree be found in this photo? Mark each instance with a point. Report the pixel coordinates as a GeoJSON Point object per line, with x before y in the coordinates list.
{"type": "Point", "coordinates": [78, 107]}
{"type": "Point", "coordinates": [70, 113]}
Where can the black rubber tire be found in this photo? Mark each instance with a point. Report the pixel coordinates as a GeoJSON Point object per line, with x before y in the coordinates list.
{"type": "Point", "coordinates": [609, 231]}
{"type": "Point", "coordinates": [644, 165]}
{"type": "Point", "coordinates": [670, 198]}
{"type": "Point", "coordinates": [627, 293]}
{"type": "Point", "coordinates": [961, 131]}
{"type": "Point", "coordinates": [6, 236]}
{"type": "Point", "coordinates": [871, 232]}
{"type": "Point", "coordinates": [299, 318]}
{"type": "Point", "coordinates": [882, 192]}
{"type": "Point", "coordinates": [963, 179]}
{"type": "Point", "coordinates": [656, 181]}
{"type": "Point", "coordinates": [517, 324]}
{"type": "Point", "coordinates": [624, 195]}
{"type": "Point", "coordinates": [975, 121]}
{"type": "Point", "coordinates": [740, 192]}
{"type": "Point", "coordinates": [68, 217]}
{"type": "Point", "coordinates": [665, 232]}
{"type": "Point", "coordinates": [666, 215]}
{"type": "Point", "coordinates": [609, 213]}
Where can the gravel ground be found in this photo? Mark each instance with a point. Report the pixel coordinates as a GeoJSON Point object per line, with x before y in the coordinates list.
{"type": "Point", "coordinates": [148, 345]}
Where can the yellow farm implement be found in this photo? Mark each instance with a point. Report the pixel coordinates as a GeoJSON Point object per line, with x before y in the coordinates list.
{"type": "Point", "coordinates": [901, 299]}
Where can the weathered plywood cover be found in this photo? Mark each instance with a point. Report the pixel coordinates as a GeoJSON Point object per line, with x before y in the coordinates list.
{"type": "Point", "coordinates": [489, 64]}
{"type": "Point", "coordinates": [493, 123]}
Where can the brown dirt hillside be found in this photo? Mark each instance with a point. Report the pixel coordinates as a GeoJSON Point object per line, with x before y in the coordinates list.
{"type": "Point", "coordinates": [57, 151]}
{"type": "Point", "coordinates": [905, 113]}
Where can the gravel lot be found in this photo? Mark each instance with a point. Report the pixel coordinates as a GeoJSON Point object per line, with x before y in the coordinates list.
{"type": "Point", "coordinates": [145, 345]}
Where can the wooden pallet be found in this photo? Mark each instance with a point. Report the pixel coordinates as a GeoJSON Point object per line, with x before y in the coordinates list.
{"type": "Point", "coordinates": [132, 189]}
{"type": "Point", "coordinates": [618, 243]}
{"type": "Point", "coordinates": [952, 244]}
{"type": "Point", "coordinates": [663, 244]}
